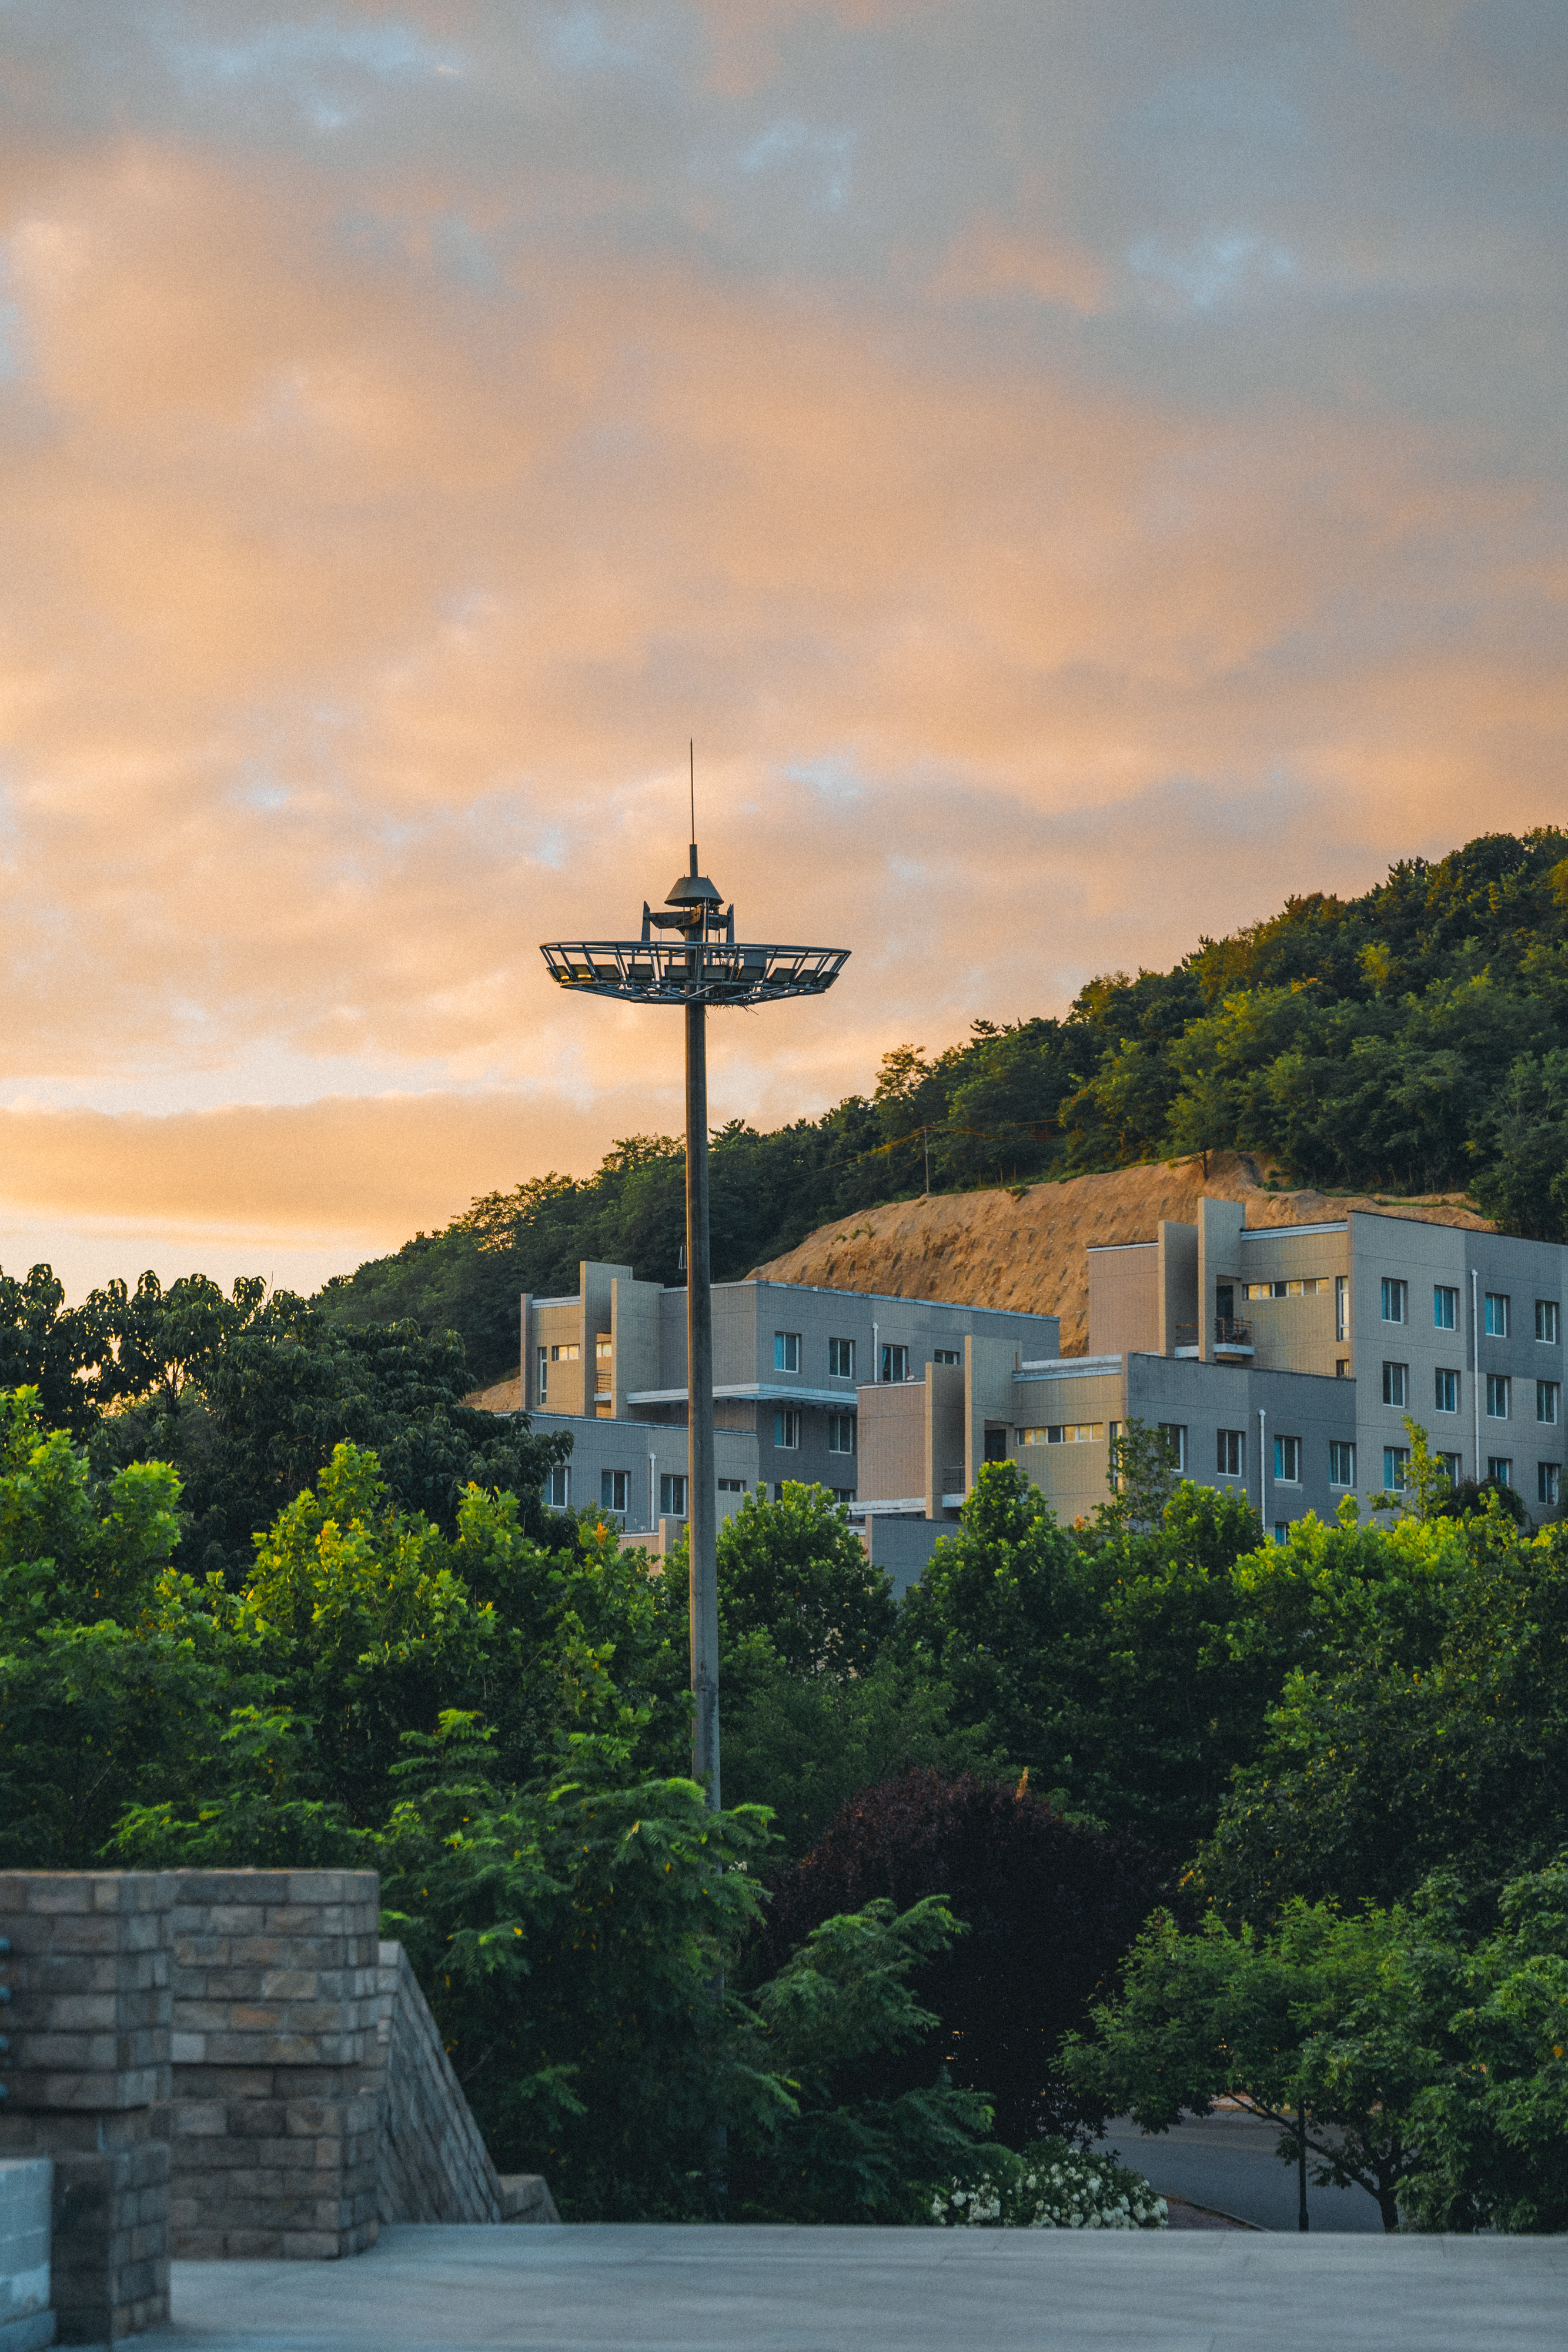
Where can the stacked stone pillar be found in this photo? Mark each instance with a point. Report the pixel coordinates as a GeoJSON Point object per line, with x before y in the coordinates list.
{"type": "Point", "coordinates": [279, 2069]}
{"type": "Point", "coordinates": [89, 2085]}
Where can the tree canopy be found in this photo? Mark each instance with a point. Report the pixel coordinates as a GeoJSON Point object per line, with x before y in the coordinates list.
{"type": "Point", "coordinates": [1411, 1039]}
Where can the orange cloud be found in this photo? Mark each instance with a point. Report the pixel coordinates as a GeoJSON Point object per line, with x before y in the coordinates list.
{"type": "Point", "coordinates": [404, 462]}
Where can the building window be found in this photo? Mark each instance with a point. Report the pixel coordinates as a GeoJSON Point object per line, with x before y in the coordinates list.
{"type": "Point", "coordinates": [1062, 1432]}
{"type": "Point", "coordinates": [786, 1429]}
{"type": "Point", "coordinates": [1497, 1315]}
{"type": "Point", "coordinates": [945, 1356]}
{"type": "Point", "coordinates": [1548, 1397]}
{"type": "Point", "coordinates": [1445, 1307]}
{"type": "Point", "coordinates": [1231, 1453]}
{"type": "Point", "coordinates": [1281, 1531]}
{"type": "Point", "coordinates": [1546, 1321]}
{"type": "Point", "coordinates": [1498, 1396]}
{"type": "Point", "coordinates": [613, 1486]}
{"type": "Point", "coordinates": [1548, 1484]}
{"type": "Point", "coordinates": [786, 1351]}
{"type": "Point", "coordinates": [1175, 1435]}
{"type": "Point", "coordinates": [1341, 1462]}
{"type": "Point", "coordinates": [1499, 1469]}
{"type": "Point", "coordinates": [1454, 1465]}
{"type": "Point", "coordinates": [544, 1375]}
{"type": "Point", "coordinates": [1307, 1290]}
{"type": "Point", "coordinates": [1287, 1461]}
{"type": "Point", "coordinates": [603, 1349]}
{"type": "Point", "coordinates": [1394, 1295]}
{"type": "Point", "coordinates": [671, 1495]}
{"type": "Point", "coordinates": [843, 1494]}
{"type": "Point", "coordinates": [565, 1355]}
{"type": "Point", "coordinates": [1395, 1468]}
{"type": "Point", "coordinates": [995, 1449]}
{"type": "Point", "coordinates": [841, 1432]}
{"type": "Point", "coordinates": [560, 1488]}
{"type": "Point", "coordinates": [894, 1363]}
{"type": "Point", "coordinates": [1397, 1384]}
{"type": "Point", "coordinates": [841, 1359]}
{"type": "Point", "coordinates": [1342, 1368]}
{"type": "Point", "coordinates": [1447, 1388]}
{"type": "Point", "coordinates": [779, 1490]}
{"type": "Point", "coordinates": [1341, 1307]}
{"type": "Point", "coordinates": [731, 1486]}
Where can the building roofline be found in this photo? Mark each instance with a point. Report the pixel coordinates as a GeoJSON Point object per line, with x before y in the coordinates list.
{"type": "Point", "coordinates": [1334, 1225]}
{"type": "Point", "coordinates": [1102, 1249]}
{"type": "Point", "coordinates": [887, 1297]}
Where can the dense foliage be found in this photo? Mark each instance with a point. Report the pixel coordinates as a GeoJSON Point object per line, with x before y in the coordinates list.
{"type": "Point", "coordinates": [1051, 1905]}
{"type": "Point", "coordinates": [1410, 1039]}
{"type": "Point", "coordinates": [248, 1394]}
{"type": "Point", "coordinates": [1418, 2056]}
{"type": "Point", "coordinates": [1333, 1772]}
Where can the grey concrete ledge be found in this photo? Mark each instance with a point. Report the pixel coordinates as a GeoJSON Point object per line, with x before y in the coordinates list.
{"type": "Point", "coordinates": [639, 2289]}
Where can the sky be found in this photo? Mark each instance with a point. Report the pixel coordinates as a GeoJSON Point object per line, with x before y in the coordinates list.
{"type": "Point", "coordinates": [1082, 470]}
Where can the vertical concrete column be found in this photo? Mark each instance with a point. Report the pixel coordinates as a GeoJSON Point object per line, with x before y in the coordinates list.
{"type": "Point", "coordinates": [947, 1443]}
{"type": "Point", "coordinates": [89, 2023]}
{"type": "Point", "coordinates": [1220, 1224]}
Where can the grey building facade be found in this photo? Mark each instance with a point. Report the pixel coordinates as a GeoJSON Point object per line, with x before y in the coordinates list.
{"type": "Point", "coordinates": [800, 1374]}
{"type": "Point", "coordinates": [1280, 1363]}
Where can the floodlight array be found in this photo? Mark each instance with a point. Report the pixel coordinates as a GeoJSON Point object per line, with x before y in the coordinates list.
{"type": "Point", "coordinates": [712, 971]}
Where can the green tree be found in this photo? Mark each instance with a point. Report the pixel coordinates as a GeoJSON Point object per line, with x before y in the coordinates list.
{"type": "Point", "coordinates": [998, 1618]}
{"type": "Point", "coordinates": [1311, 2026]}
{"type": "Point", "coordinates": [796, 1570]}
{"type": "Point", "coordinates": [112, 1689]}
{"type": "Point", "coordinates": [1494, 2120]}
{"type": "Point", "coordinates": [839, 2007]}
{"type": "Point", "coordinates": [251, 1422]}
{"type": "Point", "coordinates": [1421, 1722]}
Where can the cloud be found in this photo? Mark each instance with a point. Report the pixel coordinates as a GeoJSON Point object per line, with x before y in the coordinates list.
{"type": "Point", "coordinates": [1078, 476]}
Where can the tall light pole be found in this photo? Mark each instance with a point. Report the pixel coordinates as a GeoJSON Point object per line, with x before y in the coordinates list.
{"type": "Point", "coordinates": [703, 966]}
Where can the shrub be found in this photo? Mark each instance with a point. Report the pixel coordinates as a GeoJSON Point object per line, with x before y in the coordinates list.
{"type": "Point", "coordinates": [1051, 1907]}
{"type": "Point", "coordinates": [1054, 2186]}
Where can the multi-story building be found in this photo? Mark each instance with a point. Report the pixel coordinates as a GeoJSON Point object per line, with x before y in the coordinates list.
{"type": "Point", "coordinates": [1280, 1363]}
{"type": "Point", "coordinates": [797, 1369]}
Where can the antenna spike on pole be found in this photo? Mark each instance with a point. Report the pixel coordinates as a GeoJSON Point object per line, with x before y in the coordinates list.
{"type": "Point", "coordinates": [692, 766]}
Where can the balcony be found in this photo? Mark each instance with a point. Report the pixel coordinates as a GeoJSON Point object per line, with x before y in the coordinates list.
{"type": "Point", "coordinates": [1231, 1344]}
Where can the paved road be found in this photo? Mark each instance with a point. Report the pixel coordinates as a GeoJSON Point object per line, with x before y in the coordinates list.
{"type": "Point", "coordinates": [755, 2289]}
{"type": "Point", "coordinates": [1227, 2160]}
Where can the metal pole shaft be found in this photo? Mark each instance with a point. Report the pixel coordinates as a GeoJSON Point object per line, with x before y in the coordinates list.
{"type": "Point", "coordinates": [701, 1493]}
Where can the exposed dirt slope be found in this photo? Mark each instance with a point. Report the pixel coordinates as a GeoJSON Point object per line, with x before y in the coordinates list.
{"type": "Point", "coordinates": [1024, 1247]}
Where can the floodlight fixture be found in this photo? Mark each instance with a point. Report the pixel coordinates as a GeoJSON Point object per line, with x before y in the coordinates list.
{"type": "Point", "coordinates": [701, 964]}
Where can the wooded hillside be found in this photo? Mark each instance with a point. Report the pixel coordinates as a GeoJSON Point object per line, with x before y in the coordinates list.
{"type": "Point", "coordinates": [1408, 1042]}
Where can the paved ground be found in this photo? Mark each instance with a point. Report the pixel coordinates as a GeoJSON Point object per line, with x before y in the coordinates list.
{"type": "Point", "coordinates": [751, 2289]}
{"type": "Point", "coordinates": [1227, 2160]}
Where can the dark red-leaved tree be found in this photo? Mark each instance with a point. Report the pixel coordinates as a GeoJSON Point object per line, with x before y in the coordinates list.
{"type": "Point", "coordinates": [1052, 1908]}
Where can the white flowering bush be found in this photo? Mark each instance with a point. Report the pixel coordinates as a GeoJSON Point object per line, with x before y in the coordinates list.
{"type": "Point", "coordinates": [1054, 2186]}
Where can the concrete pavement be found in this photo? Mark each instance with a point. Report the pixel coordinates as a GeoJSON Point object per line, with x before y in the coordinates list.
{"type": "Point", "coordinates": [778, 2290]}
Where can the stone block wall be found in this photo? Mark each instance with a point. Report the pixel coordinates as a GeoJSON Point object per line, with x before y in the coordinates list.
{"type": "Point", "coordinates": [224, 2063]}
{"type": "Point", "coordinates": [278, 2064]}
{"type": "Point", "coordinates": [434, 2166]}
{"type": "Point", "coordinates": [89, 2023]}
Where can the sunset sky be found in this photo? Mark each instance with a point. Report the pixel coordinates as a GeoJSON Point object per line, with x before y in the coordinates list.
{"type": "Point", "coordinates": [1081, 472]}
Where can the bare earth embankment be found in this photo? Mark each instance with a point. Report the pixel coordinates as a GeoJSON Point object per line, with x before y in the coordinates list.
{"type": "Point", "coordinates": [1023, 1247]}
